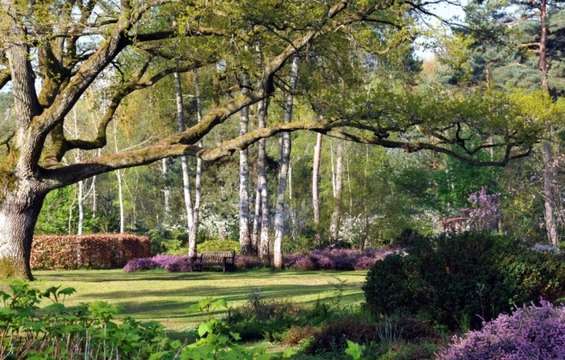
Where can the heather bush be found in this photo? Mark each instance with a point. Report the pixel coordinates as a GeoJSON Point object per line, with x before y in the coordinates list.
{"type": "Point", "coordinates": [458, 280]}
{"type": "Point", "coordinates": [305, 262]}
{"type": "Point", "coordinates": [171, 263]}
{"type": "Point", "coordinates": [244, 262]}
{"type": "Point", "coordinates": [322, 259]}
{"type": "Point", "coordinates": [337, 259]}
{"type": "Point", "coordinates": [531, 332]}
{"type": "Point", "coordinates": [140, 264]}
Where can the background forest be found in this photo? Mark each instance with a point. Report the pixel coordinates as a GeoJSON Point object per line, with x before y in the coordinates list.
{"type": "Point", "coordinates": [368, 195]}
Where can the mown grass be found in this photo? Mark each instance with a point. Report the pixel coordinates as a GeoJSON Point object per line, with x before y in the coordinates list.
{"type": "Point", "coordinates": [167, 297]}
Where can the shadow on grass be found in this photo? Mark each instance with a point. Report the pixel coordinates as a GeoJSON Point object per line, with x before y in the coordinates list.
{"type": "Point", "coordinates": [161, 275]}
{"type": "Point", "coordinates": [180, 310]}
{"type": "Point", "coordinates": [232, 293]}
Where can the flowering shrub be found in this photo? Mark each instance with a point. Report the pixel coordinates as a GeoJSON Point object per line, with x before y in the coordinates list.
{"type": "Point", "coordinates": [243, 262]}
{"type": "Point", "coordinates": [324, 259]}
{"type": "Point", "coordinates": [96, 251]}
{"type": "Point", "coordinates": [171, 263]}
{"type": "Point", "coordinates": [531, 332]}
{"type": "Point", "coordinates": [485, 213]}
{"type": "Point", "coordinates": [140, 264]}
{"type": "Point", "coordinates": [337, 259]}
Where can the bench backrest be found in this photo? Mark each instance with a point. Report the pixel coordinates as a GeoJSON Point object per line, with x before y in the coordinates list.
{"type": "Point", "coordinates": [217, 256]}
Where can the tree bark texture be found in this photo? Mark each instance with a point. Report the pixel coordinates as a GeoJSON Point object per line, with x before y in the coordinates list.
{"type": "Point", "coordinates": [262, 185]}
{"type": "Point", "coordinates": [245, 243]}
{"type": "Point", "coordinates": [281, 214]}
{"type": "Point", "coordinates": [336, 214]}
{"type": "Point", "coordinates": [181, 124]}
{"type": "Point", "coordinates": [316, 187]}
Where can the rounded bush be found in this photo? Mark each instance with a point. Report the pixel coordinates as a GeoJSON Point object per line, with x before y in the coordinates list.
{"type": "Point", "coordinates": [459, 281]}
{"type": "Point", "coordinates": [531, 332]}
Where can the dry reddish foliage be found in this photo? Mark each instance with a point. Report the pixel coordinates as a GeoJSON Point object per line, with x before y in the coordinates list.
{"type": "Point", "coordinates": [95, 251]}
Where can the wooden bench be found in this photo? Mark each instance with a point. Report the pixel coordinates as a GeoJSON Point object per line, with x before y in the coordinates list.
{"type": "Point", "coordinates": [222, 259]}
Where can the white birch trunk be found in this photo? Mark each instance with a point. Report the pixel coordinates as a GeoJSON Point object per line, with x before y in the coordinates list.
{"type": "Point", "coordinates": [336, 215]}
{"type": "Point", "coordinates": [263, 247]}
{"type": "Point", "coordinates": [192, 236]}
{"type": "Point", "coordinates": [285, 148]}
{"type": "Point", "coordinates": [80, 184]}
{"type": "Point", "coordinates": [244, 220]}
{"type": "Point", "coordinates": [181, 124]}
{"type": "Point", "coordinates": [315, 186]}
{"type": "Point", "coordinates": [119, 179]}
{"type": "Point", "coordinates": [166, 195]}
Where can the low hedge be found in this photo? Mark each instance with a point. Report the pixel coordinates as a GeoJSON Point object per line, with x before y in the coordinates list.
{"type": "Point", "coordinates": [95, 251]}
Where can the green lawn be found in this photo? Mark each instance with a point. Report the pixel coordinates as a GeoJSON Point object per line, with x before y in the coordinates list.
{"type": "Point", "coordinates": [167, 297]}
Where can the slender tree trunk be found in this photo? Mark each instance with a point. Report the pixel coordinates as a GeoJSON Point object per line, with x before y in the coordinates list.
{"type": "Point", "coordinates": [192, 237]}
{"type": "Point", "coordinates": [315, 187]}
{"type": "Point", "coordinates": [281, 214]}
{"type": "Point", "coordinates": [549, 183]}
{"type": "Point", "coordinates": [80, 196]}
{"type": "Point", "coordinates": [94, 193]}
{"type": "Point", "coordinates": [80, 184]}
{"type": "Point", "coordinates": [166, 195]}
{"type": "Point", "coordinates": [119, 178]}
{"type": "Point", "coordinates": [549, 194]}
{"type": "Point", "coordinates": [262, 185]}
{"type": "Point", "coordinates": [336, 215]}
{"type": "Point", "coordinates": [245, 243]}
{"type": "Point", "coordinates": [184, 168]}
{"type": "Point", "coordinates": [121, 200]}
{"type": "Point", "coordinates": [256, 228]}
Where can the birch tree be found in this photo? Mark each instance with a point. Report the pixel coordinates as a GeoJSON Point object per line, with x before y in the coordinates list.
{"type": "Point", "coordinates": [316, 187]}
{"type": "Point", "coordinates": [262, 186]}
{"type": "Point", "coordinates": [181, 125]}
{"type": "Point", "coordinates": [245, 243]}
{"type": "Point", "coordinates": [337, 176]}
{"type": "Point", "coordinates": [281, 215]}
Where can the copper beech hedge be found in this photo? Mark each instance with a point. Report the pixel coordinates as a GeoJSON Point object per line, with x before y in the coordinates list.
{"type": "Point", "coordinates": [95, 251]}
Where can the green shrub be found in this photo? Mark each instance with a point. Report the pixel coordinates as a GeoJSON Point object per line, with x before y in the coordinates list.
{"type": "Point", "coordinates": [28, 331]}
{"type": "Point", "coordinates": [167, 240]}
{"type": "Point", "coordinates": [460, 280]}
{"type": "Point", "coordinates": [334, 335]}
{"type": "Point", "coordinates": [219, 245]}
{"type": "Point", "coordinates": [406, 351]}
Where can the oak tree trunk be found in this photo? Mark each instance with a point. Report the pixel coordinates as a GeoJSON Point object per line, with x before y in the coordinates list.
{"type": "Point", "coordinates": [19, 210]}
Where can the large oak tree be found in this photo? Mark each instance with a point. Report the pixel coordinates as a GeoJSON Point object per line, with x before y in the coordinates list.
{"type": "Point", "coordinates": [53, 52]}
